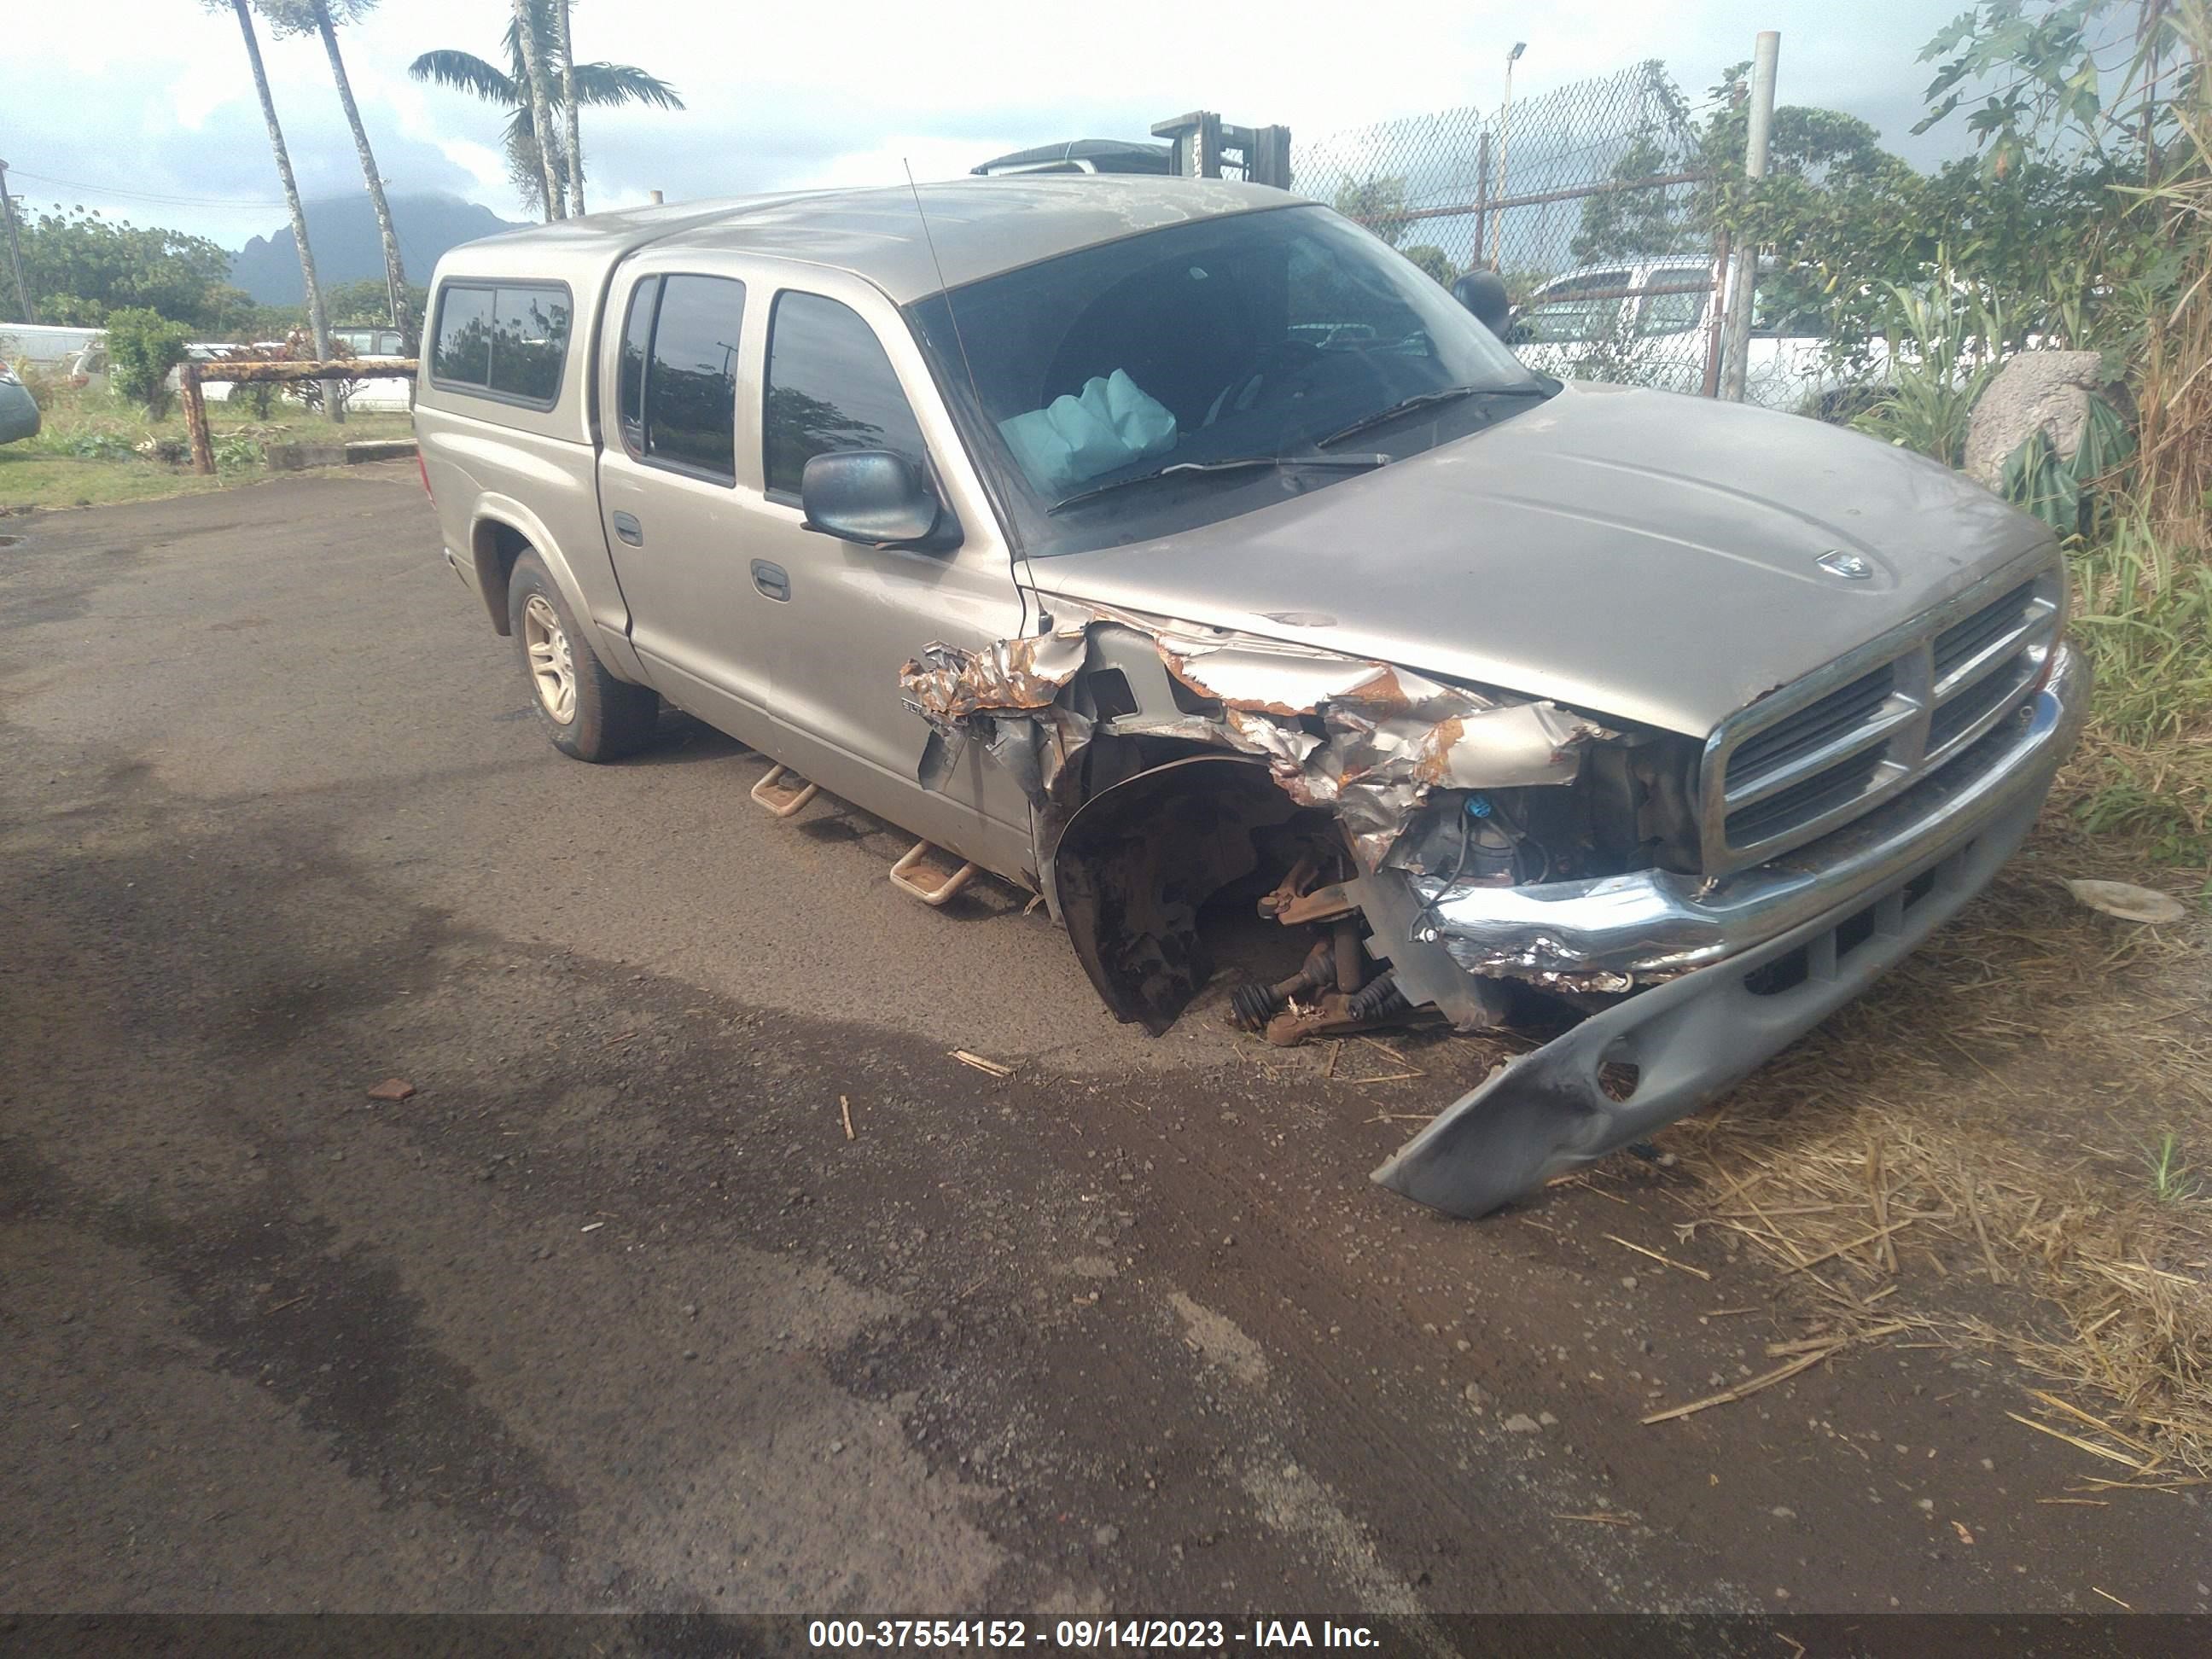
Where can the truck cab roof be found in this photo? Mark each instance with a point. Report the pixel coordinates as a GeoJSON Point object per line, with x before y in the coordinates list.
{"type": "Point", "coordinates": [908, 241]}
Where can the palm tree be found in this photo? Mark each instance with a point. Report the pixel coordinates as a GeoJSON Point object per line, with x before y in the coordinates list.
{"type": "Point", "coordinates": [576, 132]}
{"type": "Point", "coordinates": [526, 38]}
{"type": "Point", "coordinates": [318, 323]}
{"type": "Point", "coordinates": [531, 147]}
{"type": "Point", "coordinates": [322, 16]}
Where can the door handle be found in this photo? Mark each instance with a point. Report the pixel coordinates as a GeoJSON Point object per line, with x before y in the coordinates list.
{"type": "Point", "coordinates": [629, 530]}
{"type": "Point", "coordinates": [771, 581]}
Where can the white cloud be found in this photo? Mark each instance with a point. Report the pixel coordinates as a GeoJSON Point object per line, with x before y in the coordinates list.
{"type": "Point", "coordinates": [487, 166]}
{"type": "Point", "coordinates": [785, 96]}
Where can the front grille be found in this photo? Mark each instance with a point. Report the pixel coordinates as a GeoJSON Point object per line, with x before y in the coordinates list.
{"type": "Point", "coordinates": [1815, 754]}
{"type": "Point", "coordinates": [1960, 713]}
{"type": "Point", "coordinates": [1958, 643]}
{"type": "Point", "coordinates": [1830, 786]}
{"type": "Point", "coordinates": [1799, 734]}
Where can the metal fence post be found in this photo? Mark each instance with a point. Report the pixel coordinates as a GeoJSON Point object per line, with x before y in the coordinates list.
{"type": "Point", "coordinates": [1709, 383]}
{"type": "Point", "coordinates": [1761, 127]}
{"type": "Point", "coordinates": [1481, 202]}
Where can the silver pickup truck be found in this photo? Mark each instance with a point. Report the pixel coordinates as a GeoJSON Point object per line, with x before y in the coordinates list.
{"type": "Point", "coordinates": [1161, 546]}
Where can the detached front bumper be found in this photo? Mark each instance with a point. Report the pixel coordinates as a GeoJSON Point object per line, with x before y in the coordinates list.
{"type": "Point", "coordinates": [1749, 963]}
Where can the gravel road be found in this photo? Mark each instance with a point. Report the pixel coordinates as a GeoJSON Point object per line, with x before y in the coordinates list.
{"type": "Point", "coordinates": [611, 1312]}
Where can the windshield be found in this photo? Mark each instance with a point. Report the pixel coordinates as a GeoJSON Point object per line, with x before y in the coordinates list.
{"type": "Point", "coordinates": [1245, 339]}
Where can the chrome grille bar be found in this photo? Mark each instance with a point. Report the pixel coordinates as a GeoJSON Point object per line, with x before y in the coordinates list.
{"type": "Point", "coordinates": [1815, 754]}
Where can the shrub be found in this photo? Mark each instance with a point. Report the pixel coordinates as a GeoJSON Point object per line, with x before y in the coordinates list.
{"type": "Point", "coordinates": [96, 446]}
{"type": "Point", "coordinates": [142, 347]}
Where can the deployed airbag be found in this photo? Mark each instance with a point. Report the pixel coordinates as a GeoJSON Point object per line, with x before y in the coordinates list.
{"type": "Point", "coordinates": [1075, 439]}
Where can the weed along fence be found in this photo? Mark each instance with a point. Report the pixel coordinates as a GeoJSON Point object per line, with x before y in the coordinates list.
{"type": "Point", "coordinates": [192, 376]}
{"type": "Point", "coordinates": [1593, 203]}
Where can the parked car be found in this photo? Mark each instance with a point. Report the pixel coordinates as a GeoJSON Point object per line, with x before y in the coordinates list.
{"type": "Point", "coordinates": [369, 341]}
{"type": "Point", "coordinates": [1653, 323]}
{"type": "Point", "coordinates": [1051, 529]}
{"type": "Point", "coordinates": [19, 409]}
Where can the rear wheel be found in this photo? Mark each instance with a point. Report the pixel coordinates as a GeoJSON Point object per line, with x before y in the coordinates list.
{"type": "Point", "coordinates": [585, 710]}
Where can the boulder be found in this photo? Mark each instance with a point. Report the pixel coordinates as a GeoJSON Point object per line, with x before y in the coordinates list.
{"type": "Point", "coordinates": [2051, 389]}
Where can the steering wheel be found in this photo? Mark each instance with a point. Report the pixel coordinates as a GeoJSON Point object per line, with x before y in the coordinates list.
{"type": "Point", "coordinates": [1272, 374]}
{"type": "Point", "coordinates": [1281, 373]}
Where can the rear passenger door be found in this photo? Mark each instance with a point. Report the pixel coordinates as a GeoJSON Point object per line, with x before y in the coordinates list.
{"type": "Point", "coordinates": [676, 516]}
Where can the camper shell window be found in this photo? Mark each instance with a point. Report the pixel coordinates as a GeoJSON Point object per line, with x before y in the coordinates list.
{"type": "Point", "coordinates": [504, 340]}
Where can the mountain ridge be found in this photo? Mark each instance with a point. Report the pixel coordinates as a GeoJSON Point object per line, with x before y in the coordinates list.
{"type": "Point", "coordinates": [342, 230]}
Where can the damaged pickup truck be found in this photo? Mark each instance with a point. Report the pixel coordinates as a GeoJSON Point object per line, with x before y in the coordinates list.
{"type": "Point", "coordinates": [1161, 545]}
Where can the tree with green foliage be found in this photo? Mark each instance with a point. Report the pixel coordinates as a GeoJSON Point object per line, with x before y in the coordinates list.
{"type": "Point", "coordinates": [2133, 139]}
{"type": "Point", "coordinates": [1377, 202]}
{"type": "Point", "coordinates": [2051, 94]}
{"type": "Point", "coordinates": [537, 154]}
{"type": "Point", "coordinates": [365, 304]}
{"type": "Point", "coordinates": [83, 265]}
{"type": "Point", "coordinates": [142, 347]}
{"type": "Point", "coordinates": [1633, 223]}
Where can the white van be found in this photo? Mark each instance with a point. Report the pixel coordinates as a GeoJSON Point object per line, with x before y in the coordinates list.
{"type": "Point", "coordinates": [44, 346]}
{"type": "Point", "coordinates": [78, 355]}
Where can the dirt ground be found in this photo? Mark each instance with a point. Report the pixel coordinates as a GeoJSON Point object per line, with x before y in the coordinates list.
{"type": "Point", "coordinates": [611, 1312]}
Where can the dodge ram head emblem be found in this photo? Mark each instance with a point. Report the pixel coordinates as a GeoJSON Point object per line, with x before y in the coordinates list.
{"type": "Point", "coordinates": [1851, 566]}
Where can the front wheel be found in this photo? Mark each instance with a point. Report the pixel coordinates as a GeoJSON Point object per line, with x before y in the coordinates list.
{"type": "Point", "coordinates": [587, 711]}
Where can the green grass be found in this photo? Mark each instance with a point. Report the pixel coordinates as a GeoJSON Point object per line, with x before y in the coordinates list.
{"type": "Point", "coordinates": [2173, 1180]}
{"type": "Point", "coordinates": [2143, 613]}
{"type": "Point", "coordinates": [92, 449]}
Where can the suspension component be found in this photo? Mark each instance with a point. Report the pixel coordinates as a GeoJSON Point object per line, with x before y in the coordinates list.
{"type": "Point", "coordinates": [1253, 1004]}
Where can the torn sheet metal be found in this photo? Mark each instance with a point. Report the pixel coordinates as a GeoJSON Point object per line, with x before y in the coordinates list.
{"type": "Point", "coordinates": [947, 683]}
{"type": "Point", "coordinates": [1365, 738]}
{"type": "Point", "coordinates": [1005, 697]}
{"type": "Point", "coordinates": [1256, 679]}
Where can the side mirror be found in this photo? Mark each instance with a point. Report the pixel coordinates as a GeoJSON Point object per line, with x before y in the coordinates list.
{"type": "Point", "coordinates": [869, 495]}
{"type": "Point", "coordinates": [1483, 293]}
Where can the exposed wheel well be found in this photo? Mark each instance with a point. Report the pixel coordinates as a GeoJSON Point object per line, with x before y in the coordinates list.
{"type": "Point", "coordinates": [1138, 861]}
{"type": "Point", "coordinates": [496, 547]}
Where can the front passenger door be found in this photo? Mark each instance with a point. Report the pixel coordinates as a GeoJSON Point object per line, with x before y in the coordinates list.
{"type": "Point", "coordinates": [846, 616]}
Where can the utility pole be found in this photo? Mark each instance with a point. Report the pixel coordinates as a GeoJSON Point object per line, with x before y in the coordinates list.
{"type": "Point", "coordinates": [15, 249]}
{"type": "Point", "coordinates": [1504, 139]}
{"type": "Point", "coordinates": [1760, 129]}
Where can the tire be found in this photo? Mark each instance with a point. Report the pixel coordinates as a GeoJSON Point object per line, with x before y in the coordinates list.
{"type": "Point", "coordinates": [588, 712]}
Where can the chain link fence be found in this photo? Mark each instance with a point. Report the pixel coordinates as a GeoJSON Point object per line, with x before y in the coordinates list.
{"type": "Point", "coordinates": [1586, 201]}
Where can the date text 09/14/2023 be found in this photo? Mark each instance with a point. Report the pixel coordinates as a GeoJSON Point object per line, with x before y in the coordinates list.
{"type": "Point", "coordinates": [1194, 1635]}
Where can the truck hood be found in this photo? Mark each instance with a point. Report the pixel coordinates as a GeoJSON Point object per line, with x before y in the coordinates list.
{"type": "Point", "coordinates": [1638, 554]}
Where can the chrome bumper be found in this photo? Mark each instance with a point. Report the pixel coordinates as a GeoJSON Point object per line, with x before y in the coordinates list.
{"type": "Point", "coordinates": [1656, 925]}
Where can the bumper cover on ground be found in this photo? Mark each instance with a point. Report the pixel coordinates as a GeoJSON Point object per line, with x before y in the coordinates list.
{"type": "Point", "coordinates": [1691, 1038]}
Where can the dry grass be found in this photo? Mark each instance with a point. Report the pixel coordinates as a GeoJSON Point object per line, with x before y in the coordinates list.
{"type": "Point", "coordinates": [1969, 1155]}
{"type": "Point", "coordinates": [2174, 391]}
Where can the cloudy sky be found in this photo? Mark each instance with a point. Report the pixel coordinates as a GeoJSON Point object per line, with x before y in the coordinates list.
{"type": "Point", "coordinates": [144, 108]}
